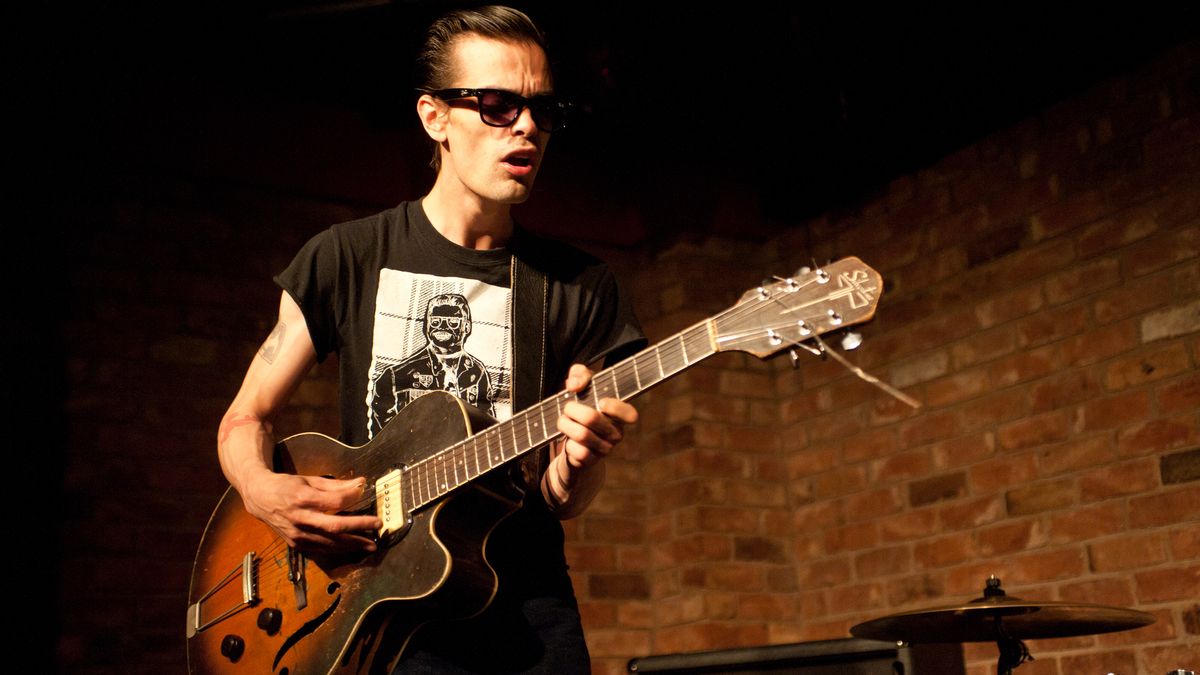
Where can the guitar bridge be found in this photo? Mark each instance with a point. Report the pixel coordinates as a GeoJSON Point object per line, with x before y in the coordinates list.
{"type": "Point", "coordinates": [389, 506]}
{"type": "Point", "coordinates": [247, 572]}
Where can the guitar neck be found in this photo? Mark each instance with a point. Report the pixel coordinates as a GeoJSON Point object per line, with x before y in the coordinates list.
{"type": "Point", "coordinates": [463, 462]}
{"type": "Point", "coordinates": [764, 321]}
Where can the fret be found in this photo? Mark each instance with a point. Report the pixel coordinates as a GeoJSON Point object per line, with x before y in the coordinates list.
{"type": "Point", "coordinates": [516, 443]}
{"type": "Point", "coordinates": [683, 349]}
{"type": "Point", "coordinates": [541, 407]}
{"type": "Point", "coordinates": [658, 357]}
{"type": "Point", "coordinates": [616, 389]}
{"type": "Point", "coordinates": [459, 469]}
{"type": "Point", "coordinates": [440, 462]}
{"type": "Point", "coordinates": [637, 379]}
{"type": "Point", "coordinates": [528, 428]}
{"type": "Point", "coordinates": [475, 454]}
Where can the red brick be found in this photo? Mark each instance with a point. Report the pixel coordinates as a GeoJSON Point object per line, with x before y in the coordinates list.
{"type": "Point", "coordinates": [1164, 585]}
{"type": "Point", "coordinates": [1009, 305]}
{"type": "Point", "coordinates": [955, 388]}
{"type": "Point", "coordinates": [1161, 251]}
{"type": "Point", "coordinates": [1108, 591]}
{"type": "Point", "coordinates": [586, 557]}
{"type": "Point", "coordinates": [1067, 214]}
{"type": "Point", "coordinates": [745, 384]}
{"type": "Point", "coordinates": [1050, 326]}
{"type": "Point", "coordinates": [983, 346]}
{"type": "Point", "coordinates": [987, 412]}
{"type": "Point", "coordinates": [1111, 234]}
{"type": "Point", "coordinates": [765, 608]}
{"type": "Point", "coordinates": [963, 450]}
{"type": "Point", "coordinates": [1156, 436]}
{"type": "Point", "coordinates": [923, 368]}
{"type": "Point", "coordinates": [1128, 552]}
{"type": "Point", "coordinates": [1147, 367]}
{"type": "Point", "coordinates": [971, 513]}
{"type": "Point", "coordinates": [920, 588]}
{"type": "Point", "coordinates": [728, 519]}
{"type": "Point", "coordinates": [1083, 280]}
{"type": "Point", "coordinates": [835, 426]}
{"type": "Point", "coordinates": [937, 488]}
{"type": "Point", "coordinates": [1039, 497]}
{"type": "Point", "coordinates": [1011, 537]}
{"type": "Point", "coordinates": [618, 586]}
{"type": "Point", "coordinates": [1036, 430]}
{"type": "Point", "coordinates": [1170, 322]}
{"type": "Point", "coordinates": [902, 466]}
{"type": "Point", "coordinates": [761, 549]}
{"type": "Point", "coordinates": [1119, 479]}
{"type": "Point", "coordinates": [908, 525]}
{"type": "Point", "coordinates": [1185, 542]}
{"type": "Point", "coordinates": [1168, 658]}
{"type": "Point", "coordinates": [817, 515]}
{"type": "Point", "coordinates": [968, 580]}
{"type": "Point", "coordinates": [874, 503]}
{"type": "Point", "coordinates": [871, 444]}
{"type": "Point", "coordinates": [1181, 395]}
{"type": "Point", "coordinates": [1132, 298]}
{"type": "Point", "coordinates": [1114, 411]}
{"type": "Point", "coordinates": [882, 562]}
{"type": "Point", "coordinates": [886, 410]}
{"type": "Point", "coordinates": [748, 439]}
{"type": "Point", "coordinates": [1114, 661]}
{"type": "Point", "coordinates": [929, 427]}
{"type": "Point", "coordinates": [1045, 566]}
{"type": "Point", "coordinates": [1032, 262]}
{"type": "Point", "coordinates": [1025, 366]}
{"type": "Point", "coordinates": [711, 462]}
{"type": "Point", "coordinates": [944, 551]}
{"type": "Point", "coordinates": [1165, 508]}
{"type": "Point", "coordinates": [856, 598]}
{"type": "Point", "coordinates": [812, 461]}
{"type": "Point", "coordinates": [824, 573]}
{"type": "Point", "coordinates": [1076, 454]}
{"type": "Point", "coordinates": [840, 481]}
{"type": "Point", "coordinates": [1100, 344]}
{"type": "Point", "coordinates": [1002, 472]}
{"type": "Point", "coordinates": [851, 537]}
{"type": "Point", "coordinates": [806, 405]}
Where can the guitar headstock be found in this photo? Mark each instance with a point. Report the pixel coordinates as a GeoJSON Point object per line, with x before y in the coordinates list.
{"type": "Point", "coordinates": [784, 313]}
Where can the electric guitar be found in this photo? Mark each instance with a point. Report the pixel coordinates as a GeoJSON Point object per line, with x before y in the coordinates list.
{"type": "Point", "coordinates": [258, 606]}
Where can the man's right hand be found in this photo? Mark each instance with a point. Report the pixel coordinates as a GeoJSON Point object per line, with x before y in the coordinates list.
{"type": "Point", "coordinates": [303, 510]}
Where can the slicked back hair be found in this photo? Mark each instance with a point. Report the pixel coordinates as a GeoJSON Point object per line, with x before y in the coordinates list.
{"type": "Point", "coordinates": [435, 61]}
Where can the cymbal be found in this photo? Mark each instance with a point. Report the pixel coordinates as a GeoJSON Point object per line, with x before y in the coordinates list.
{"type": "Point", "coordinates": [980, 619]}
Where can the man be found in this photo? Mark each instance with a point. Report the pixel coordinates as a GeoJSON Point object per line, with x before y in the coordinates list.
{"type": "Point", "coordinates": [371, 290]}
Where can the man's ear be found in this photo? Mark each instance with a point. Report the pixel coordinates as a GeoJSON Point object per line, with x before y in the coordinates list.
{"type": "Point", "coordinates": [433, 115]}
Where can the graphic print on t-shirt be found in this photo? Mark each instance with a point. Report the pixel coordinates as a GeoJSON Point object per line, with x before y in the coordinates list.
{"type": "Point", "coordinates": [438, 333]}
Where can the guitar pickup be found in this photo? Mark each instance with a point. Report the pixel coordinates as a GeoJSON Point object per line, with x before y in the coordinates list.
{"type": "Point", "coordinates": [389, 506]}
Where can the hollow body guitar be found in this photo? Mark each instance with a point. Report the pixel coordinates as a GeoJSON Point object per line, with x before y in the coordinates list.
{"type": "Point", "coordinates": [257, 606]}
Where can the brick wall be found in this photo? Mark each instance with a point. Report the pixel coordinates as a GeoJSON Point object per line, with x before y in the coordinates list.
{"type": "Point", "coordinates": [1043, 305]}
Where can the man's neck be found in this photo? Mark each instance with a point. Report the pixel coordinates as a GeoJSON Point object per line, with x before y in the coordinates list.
{"type": "Point", "coordinates": [467, 219]}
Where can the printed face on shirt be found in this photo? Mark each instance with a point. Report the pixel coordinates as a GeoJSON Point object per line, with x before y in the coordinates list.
{"type": "Point", "coordinates": [447, 324]}
{"type": "Point", "coordinates": [494, 164]}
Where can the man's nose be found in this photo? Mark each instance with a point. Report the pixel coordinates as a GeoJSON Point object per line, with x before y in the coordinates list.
{"type": "Point", "coordinates": [525, 124]}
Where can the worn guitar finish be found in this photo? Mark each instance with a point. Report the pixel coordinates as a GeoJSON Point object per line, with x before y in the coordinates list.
{"type": "Point", "coordinates": [256, 606]}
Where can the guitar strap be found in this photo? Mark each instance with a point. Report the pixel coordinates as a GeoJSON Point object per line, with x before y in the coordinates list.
{"type": "Point", "coordinates": [529, 321]}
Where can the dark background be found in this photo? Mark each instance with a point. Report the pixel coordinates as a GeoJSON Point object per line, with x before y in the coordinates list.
{"type": "Point", "coordinates": [804, 111]}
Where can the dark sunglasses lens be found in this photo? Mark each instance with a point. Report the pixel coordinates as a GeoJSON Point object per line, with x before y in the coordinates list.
{"type": "Point", "coordinates": [499, 108]}
{"type": "Point", "coordinates": [548, 115]}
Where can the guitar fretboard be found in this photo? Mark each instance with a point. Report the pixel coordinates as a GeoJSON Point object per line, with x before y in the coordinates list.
{"type": "Point", "coordinates": [433, 477]}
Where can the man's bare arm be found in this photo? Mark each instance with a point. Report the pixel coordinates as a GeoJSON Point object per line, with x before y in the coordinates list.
{"type": "Point", "coordinates": [300, 508]}
{"type": "Point", "coordinates": [576, 470]}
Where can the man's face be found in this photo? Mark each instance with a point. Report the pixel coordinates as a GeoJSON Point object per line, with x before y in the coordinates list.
{"type": "Point", "coordinates": [448, 328]}
{"type": "Point", "coordinates": [497, 164]}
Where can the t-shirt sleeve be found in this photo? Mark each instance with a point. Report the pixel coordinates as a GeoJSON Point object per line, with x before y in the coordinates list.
{"type": "Point", "coordinates": [610, 330]}
{"type": "Point", "coordinates": [312, 280]}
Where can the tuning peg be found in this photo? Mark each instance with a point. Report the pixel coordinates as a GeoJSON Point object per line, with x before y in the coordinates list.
{"type": "Point", "coordinates": [795, 359]}
{"type": "Point", "coordinates": [851, 340]}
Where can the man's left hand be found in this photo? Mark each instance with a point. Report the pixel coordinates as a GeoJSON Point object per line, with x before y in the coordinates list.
{"type": "Point", "coordinates": [590, 434]}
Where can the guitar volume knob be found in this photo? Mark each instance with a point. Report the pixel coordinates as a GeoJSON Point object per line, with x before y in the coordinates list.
{"type": "Point", "coordinates": [232, 647]}
{"type": "Point", "coordinates": [269, 620]}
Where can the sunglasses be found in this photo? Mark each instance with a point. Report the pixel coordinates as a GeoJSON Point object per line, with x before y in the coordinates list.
{"type": "Point", "coordinates": [499, 108]}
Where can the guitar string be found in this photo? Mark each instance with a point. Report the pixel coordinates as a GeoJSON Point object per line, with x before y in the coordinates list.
{"type": "Point", "coordinates": [674, 349]}
{"type": "Point", "coordinates": [673, 344]}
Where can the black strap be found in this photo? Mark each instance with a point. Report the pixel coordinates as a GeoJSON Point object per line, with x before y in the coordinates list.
{"type": "Point", "coordinates": [530, 322]}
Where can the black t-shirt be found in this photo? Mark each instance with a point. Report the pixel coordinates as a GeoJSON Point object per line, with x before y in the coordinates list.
{"type": "Point", "coordinates": [409, 311]}
{"type": "Point", "coordinates": [374, 291]}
